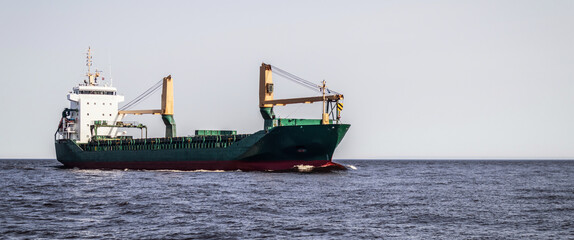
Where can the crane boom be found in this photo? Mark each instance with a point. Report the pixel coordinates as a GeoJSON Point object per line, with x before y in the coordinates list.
{"type": "Point", "coordinates": [166, 110]}
{"type": "Point", "coordinates": [266, 92]}
{"type": "Point", "coordinates": [282, 102]}
{"type": "Point", "coordinates": [140, 112]}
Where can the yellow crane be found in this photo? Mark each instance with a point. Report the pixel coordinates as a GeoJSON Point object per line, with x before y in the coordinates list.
{"type": "Point", "coordinates": [166, 110]}
{"type": "Point", "coordinates": [266, 100]}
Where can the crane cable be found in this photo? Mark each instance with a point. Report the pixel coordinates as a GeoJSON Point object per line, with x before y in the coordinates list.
{"type": "Point", "coordinates": [278, 71]}
{"type": "Point", "coordinates": [301, 81]}
{"type": "Point", "coordinates": [142, 96]}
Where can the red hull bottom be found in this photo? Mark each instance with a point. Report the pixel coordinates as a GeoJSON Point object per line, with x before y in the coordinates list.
{"type": "Point", "coordinates": [295, 165]}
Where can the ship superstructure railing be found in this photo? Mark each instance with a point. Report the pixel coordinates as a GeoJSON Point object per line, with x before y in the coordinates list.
{"type": "Point", "coordinates": [191, 142]}
{"type": "Point", "coordinates": [66, 125]}
{"type": "Point", "coordinates": [119, 124]}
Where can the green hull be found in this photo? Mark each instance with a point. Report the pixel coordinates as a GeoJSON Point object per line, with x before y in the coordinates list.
{"type": "Point", "coordinates": [280, 148]}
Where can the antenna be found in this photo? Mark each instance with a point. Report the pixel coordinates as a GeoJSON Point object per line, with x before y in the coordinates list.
{"type": "Point", "coordinates": [110, 66]}
{"type": "Point", "coordinates": [111, 78]}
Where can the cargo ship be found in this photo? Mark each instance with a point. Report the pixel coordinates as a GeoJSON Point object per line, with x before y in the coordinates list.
{"type": "Point", "coordinates": [90, 136]}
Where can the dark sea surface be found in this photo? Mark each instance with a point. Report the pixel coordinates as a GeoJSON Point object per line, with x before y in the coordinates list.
{"type": "Point", "coordinates": [402, 199]}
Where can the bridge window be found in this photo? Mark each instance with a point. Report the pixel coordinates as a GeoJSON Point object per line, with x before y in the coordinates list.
{"type": "Point", "coordinates": [97, 92]}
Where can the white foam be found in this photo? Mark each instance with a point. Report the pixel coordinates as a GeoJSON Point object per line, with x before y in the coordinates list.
{"type": "Point", "coordinates": [352, 167]}
{"type": "Point", "coordinates": [178, 171]}
{"type": "Point", "coordinates": [304, 168]}
{"type": "Point", "coordinates": [201, 170]}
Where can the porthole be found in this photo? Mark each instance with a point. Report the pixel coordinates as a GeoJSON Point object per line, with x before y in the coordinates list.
{"type": "Point", "coordinates": [88, 103]}
{"type": "Point", "coordinates": [88, 114]}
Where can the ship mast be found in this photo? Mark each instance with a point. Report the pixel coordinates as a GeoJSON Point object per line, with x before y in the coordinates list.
{"type": "Point", "coordinates": [92, 77]}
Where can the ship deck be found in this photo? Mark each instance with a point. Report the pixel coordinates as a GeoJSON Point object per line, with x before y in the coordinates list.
{"type": "Point", "coordinates": [192, 142]}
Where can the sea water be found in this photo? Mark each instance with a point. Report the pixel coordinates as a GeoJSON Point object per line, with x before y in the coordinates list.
{"type": "Point", "coordinates": [390, 199]}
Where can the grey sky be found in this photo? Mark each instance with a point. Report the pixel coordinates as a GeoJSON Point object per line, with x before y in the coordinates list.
{"type": "Point", "coordinates": [422, 79]}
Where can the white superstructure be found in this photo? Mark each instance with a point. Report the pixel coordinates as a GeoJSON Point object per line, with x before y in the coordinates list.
{"type": "Point", "coordinates": [92, 108]}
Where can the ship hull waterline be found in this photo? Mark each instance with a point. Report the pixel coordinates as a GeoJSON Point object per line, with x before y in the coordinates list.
{"type": "Point", "coordinates": [282, 148]}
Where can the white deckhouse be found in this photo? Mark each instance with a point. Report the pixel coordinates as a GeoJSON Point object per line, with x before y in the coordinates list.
{"type": "Point", "coordinates": [92, 107]}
